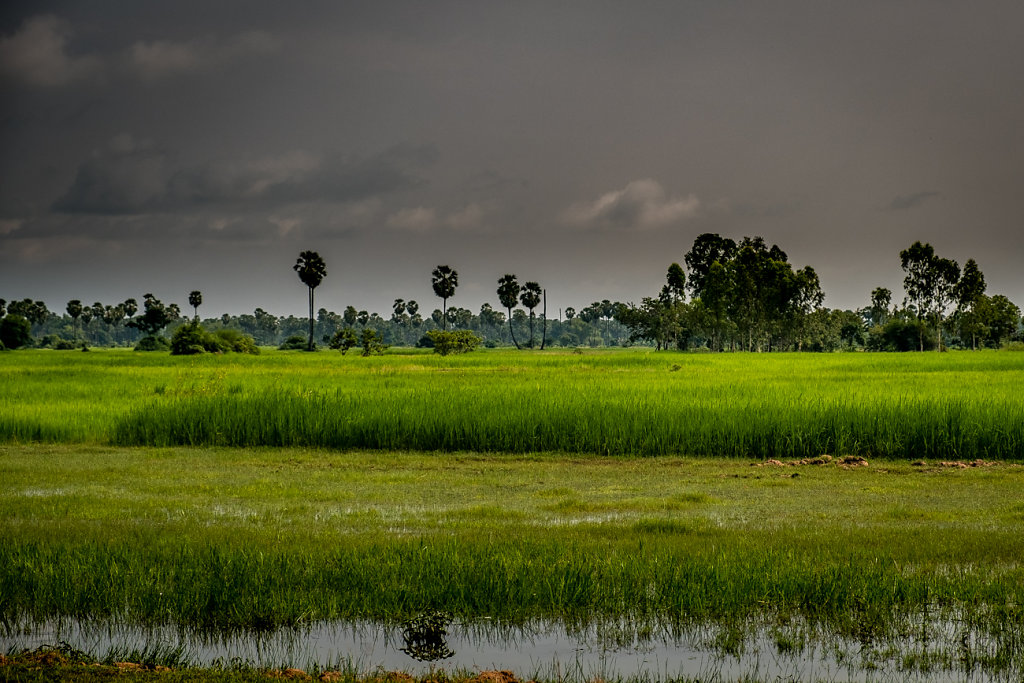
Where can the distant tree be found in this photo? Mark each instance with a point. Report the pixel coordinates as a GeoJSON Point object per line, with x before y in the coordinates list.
{"type": "Point", "coordinates": [343, 340]}
{"type": "Point", "coordinates": [570, 313]}
{"type": "Point", "coordinates": [444, 281]}
{"type": "Point", "coordinates": [508, 295]}
{"type": "Point", "coordinates": [155, 316]}
{"type": "Point", "coordinates": [372, 342]}
{"type": "Point", "coordinates": [15, 331]}
{"type": "Point", "coordinates": [530, 298]}
{"type": "Point", "coordinates": [969, 291]}
{"type": "Point", "coordinates": [1001, 316]}
{"type": "Point", "coordinates": [350, 316]}
{"type": "Point", "coordinates": [675, 285]}
{"type": "Point", "coordinates": [195, 300]}
{"type": "Point", "coordinates": [881, 298]}
{"type": "Point", "coordinates": [399, 309]}
{"type": "Point", "coordinates": [806, 297]}
{"type": "Point", "coordinates": [411, 307]}
{"type": "Point", "coordinates": [707, 249]}
{"type": "Point", "coordinates": [75, 311]}
{"type": "Point", "coordinates": [930, 282]}
{"type": "Point", "coordinates": [312, 270]}
{"type": "Point", "coordinates": [363, 318]}
{"type": "Point", "coordinates": [3, 307]}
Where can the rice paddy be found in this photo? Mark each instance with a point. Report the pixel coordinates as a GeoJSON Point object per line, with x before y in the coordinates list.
{"type": "Point", "coordinates": [630, 402]}
{"type": "Point", "coordinates": [235, 495]}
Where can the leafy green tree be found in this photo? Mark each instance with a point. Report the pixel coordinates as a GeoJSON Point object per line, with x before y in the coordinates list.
{"type": "Point", "coordinates": [930, 283]}
{"type": "Point", "coordinates": [15, 331]}
{"type": "Point", "coordinates": [399, 310]}
{"type": "Point", "coordinates": [508, 295]}
{"type": "Point", "coordinates": [444, 280]}
{"type": "Point", "coordinates": [454, 342]}
{"type": "Point", "coordinates": [75, 311]}
{"type": "Point", "coordinates": [969, 291]}
{"type": "Point", "coordinates": [570, 313]}
{"type": "Point", "coordinates": [343, 340]}
{"type": "Point", "coordinates": [155, 316]}
{"type": "Point", "coordinates": [3, 307]}
{"type": "Point", "coordinates": [312, 270]}
{"type": "Point", "coordinates": [706, 250]}
{"type": "Point", "coordinates": [1001, 316]}
{"type": "Point", "coordinates": [195, 300]}
{"type": "Point", "coordinates": [372, 342]}
{"type": "Point", "coordinates": [881, 298]}
{"type": "Point", "coordinates": [363, 318]}
{"type": "Point", "coordinates": [530, 298]}
{"type": "Point", "coordinates": [350, 316]}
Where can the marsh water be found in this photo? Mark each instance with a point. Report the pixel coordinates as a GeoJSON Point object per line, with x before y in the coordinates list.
{"type": "Point", "coordinates": [550, 650]}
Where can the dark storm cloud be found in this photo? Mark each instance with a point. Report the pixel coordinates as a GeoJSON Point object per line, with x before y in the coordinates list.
{"type": "Point", "coordinates": [581, 144]}
{"type": "Point", "coordinates": [133, 177]}
{"type": "Point", "coordinates": [910, 201]}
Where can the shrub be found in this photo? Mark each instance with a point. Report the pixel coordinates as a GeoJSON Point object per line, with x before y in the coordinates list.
{"type": "Point", "coordinates": [343, 340]}
{"type": "Point", "coordinates": [152, 343]}
{"type": "Point", "coordinates": [372, 342]}
{"type": "Point", "coordinates": [15, 332]}
{"type": "Point", "coordinates": [455, 341]}
{"type": "Point", "coordinates": [296, 342]}
{"type": "Point", "coordinates": [233, 340]}
{"type": "Point", "coordinates": [191, 339]}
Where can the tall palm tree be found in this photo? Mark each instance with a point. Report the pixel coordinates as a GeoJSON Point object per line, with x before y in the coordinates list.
{"type": "Point", "coordinates": [508, 295]}
{"type": "Point", "coordinates": [444, 281]}
{"type": "Point", "coordinates": [312, 270]}
{"type": "Point", "coordinates": [531, 299]}
{"type": "Point", "coordinates": [75, 311]}
{"type": "Point", "coordinates": [195, 300]}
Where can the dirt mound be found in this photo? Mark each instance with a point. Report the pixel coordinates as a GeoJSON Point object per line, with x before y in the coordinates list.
{"type": "Point", "coordinates": [494, 677]}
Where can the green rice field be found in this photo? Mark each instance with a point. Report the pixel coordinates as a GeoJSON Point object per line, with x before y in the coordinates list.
{"type": "Point", "coordinates": [235, 494]}
{"type": "Point", "coordinates": [627, 402]}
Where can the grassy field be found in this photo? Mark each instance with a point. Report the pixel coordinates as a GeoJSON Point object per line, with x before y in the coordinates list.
{"type": "Point", "coordinates": [237, 492]}
{"type": "Point", "coordinates": [225, 538]}
{"type": "Point", "coordinates": [631, 402]}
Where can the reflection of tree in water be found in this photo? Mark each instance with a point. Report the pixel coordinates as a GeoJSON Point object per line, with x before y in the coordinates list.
{"type": "Point", "coordinates": [424, 637]}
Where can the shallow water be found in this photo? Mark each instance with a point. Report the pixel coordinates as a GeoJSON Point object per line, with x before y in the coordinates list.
{"type": "Point", "coordinates": [547, 650]}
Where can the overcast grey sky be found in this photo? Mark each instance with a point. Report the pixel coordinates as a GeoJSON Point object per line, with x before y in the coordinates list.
{"type": "Point", "coordinates": [169, 146]}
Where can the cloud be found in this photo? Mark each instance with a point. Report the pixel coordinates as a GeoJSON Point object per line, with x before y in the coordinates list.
{"type": "Point", "coordinates": [467, 218]}
{"type": "Point", "coordinates": [132, 177]}
{"type": "Point", "coordinates": [641, 205]}
{"type": "Point", "coordinates": [37, 54]}
{"type": "Point", "coordinates": [910, 201]}
{"type": "Point", "coordinates": [160, 58]}
{"type": "Point", "coordinates": [419, 219]}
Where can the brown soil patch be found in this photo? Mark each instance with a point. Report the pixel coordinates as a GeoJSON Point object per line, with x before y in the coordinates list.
{"type": "Point", "coordinates": [290, 674]}
{"type": "Point", "coordinates": [494, 677]}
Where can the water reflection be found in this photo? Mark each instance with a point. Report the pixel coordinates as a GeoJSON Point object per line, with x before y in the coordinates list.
{"type": "Point", "coordinates": [580, 652]}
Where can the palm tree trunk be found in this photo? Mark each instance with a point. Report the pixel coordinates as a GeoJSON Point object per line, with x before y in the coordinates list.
{"type": "Point", "coordinates": [309, 346]}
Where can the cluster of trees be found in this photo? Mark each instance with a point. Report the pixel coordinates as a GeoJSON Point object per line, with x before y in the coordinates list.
{"type": "Point", "coordinates": [735, 296]}
{"type": "Point", "coordinates": [747, 296]}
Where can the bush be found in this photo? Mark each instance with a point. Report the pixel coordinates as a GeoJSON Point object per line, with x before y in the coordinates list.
{"type": "Point", "coordinates": [456, 341]}
{"type": "Point", "coordinates": [55, 341]}
{"type": "Point", "coordinates": [343, 340]}
{"type": "Point", "coordinates": [152, 343]}
{"type": "Point", "coordinates": [191, 339]}
{"type": "Point", "coordinates": [15, 332]}
{"type": "Point", "coordinates": [372, 342]}
{"type": "Point", "coordinates": [296, 342]}
{"type": "Point", "coordinates": [233, 340]}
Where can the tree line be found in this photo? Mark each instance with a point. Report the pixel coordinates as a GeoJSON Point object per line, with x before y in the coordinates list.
{"type": "Point", "coordinates": [732, 296]}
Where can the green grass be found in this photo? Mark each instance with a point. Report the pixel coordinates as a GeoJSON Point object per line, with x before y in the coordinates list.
{"type": "Point", "coordinates": [953, 405]}
{"type": "Point", "coordinates": [228, 538]}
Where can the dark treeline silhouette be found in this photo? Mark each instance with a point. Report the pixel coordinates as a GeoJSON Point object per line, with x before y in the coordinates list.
{"type": "Point", "coordinates": [731, 296]}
